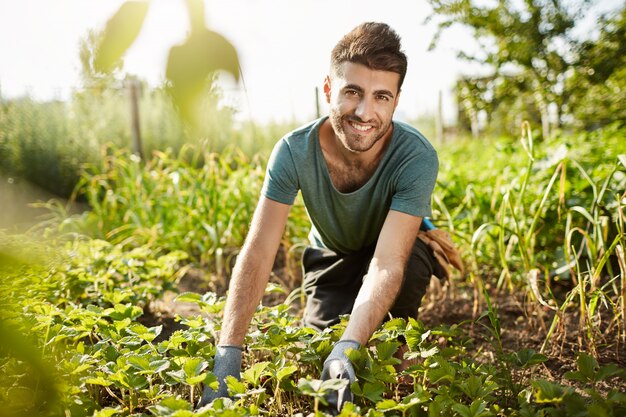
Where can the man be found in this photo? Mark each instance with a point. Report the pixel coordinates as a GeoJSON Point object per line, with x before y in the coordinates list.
{"type": "Point", "coordinates": [366, 182]}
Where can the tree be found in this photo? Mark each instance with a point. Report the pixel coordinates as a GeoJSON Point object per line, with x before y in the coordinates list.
{"type": "Point", "coordinates": [598, 86]}
{"type": "Point", "coordinates": [527, 43]}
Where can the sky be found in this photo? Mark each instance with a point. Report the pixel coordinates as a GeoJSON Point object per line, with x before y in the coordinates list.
{"type": "Point", "coordinates": [283, 47]}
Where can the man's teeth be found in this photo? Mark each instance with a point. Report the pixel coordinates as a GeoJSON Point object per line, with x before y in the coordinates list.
{"type": "Point", "coordinates": [359, 127]}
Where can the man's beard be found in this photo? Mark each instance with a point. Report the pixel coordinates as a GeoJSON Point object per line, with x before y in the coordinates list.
{"type": "Point", "coordinates": [352, 141]}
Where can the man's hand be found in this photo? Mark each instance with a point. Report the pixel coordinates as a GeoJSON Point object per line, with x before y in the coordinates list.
{"type": "Point", "coordinates": [338, 366]}
{"type": "Point", "coordinates": [227, 363]}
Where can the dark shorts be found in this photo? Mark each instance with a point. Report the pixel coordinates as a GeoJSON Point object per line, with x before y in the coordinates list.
{"type": "Point", "coordinates": [332, 282]}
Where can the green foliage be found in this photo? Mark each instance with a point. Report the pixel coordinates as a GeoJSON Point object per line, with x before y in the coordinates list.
{"type": "Point", "coordinates": [73, 307]}
{"type": "Point", "coordinates": [196, 201]}
{"type": "Point", "coordinates": [515, 220]}
{"type": "Point", "coordinates": [49, 143]}
{"type": "Point", "coordinates": [189, 66]}
{"type": "Point", "coordinates": [598, 87]}
{"type": "Point", "coordinates": [537, 61]}
{"type": "Point", "coordinates": [121, 31]}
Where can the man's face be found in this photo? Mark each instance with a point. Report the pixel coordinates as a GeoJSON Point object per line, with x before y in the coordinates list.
{"type": "Point", "coordinates": [362, 102]}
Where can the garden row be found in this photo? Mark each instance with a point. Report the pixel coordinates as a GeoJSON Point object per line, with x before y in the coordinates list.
{"type": "Point", "coordinates": [541, 219]}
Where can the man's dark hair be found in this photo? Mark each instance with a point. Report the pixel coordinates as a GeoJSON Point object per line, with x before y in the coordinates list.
{"type": "Point", "coordinates": [374, 45]}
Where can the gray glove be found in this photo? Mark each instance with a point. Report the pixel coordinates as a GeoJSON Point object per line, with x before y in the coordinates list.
{"type": "Point", "coordinates": [227, 362]}
{"type": "Point", "coordinates": [338, 366]}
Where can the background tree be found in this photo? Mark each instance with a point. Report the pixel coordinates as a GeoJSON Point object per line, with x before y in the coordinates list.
{"type": "Point", "coordinates": [598, 86]}
{"type": "Point", "coordinates": [529, 45]}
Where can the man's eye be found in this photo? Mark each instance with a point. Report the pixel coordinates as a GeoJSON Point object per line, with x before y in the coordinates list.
{"type": "Point", "coordinates": [352, 92]}
{"type": "Point", "coordinates": [383, 97]}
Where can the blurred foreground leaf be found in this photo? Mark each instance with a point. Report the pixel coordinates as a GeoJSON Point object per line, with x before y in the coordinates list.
{"type": "Point", "coordinates": [191, 63]}
{"type": "Point", "coordinates": [119, 34]}
{"type": "Point", "coordinates": [38, 392]}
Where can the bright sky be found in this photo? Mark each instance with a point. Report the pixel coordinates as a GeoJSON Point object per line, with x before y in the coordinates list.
{"type": "Point", "coordinates": [283, 46]}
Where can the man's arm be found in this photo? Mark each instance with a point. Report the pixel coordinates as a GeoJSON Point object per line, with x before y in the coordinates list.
{"type": "Point", "coordinates": [384, 277]}
{"type": "Point", "coordinates": [252, 269]}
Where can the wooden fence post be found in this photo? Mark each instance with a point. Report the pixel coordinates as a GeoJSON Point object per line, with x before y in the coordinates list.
{"type": "Point", "coordinates": [317, 102]}
{"type": "Point", "coordinates": [439, 118]}
{"type": "Point", "coordinates": [133, 93]}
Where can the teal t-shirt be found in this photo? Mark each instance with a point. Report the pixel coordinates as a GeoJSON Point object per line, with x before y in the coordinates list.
{"type": "Point", "coordinates": [347, 222]}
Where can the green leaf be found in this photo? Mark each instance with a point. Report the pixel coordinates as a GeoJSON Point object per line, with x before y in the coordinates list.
{"type": "Point", "coordinates": [587, 366]}
{"type": "Point", "coordinates": [273, 288]}
{"type": "Point", "coordinates": [286, 371]}
{"type": "Point", "coordinates": [119, 34]}
{"type": "Point", "coordinates": [123, 311]}
{"type": "Point", "coordinates": [178, 375]}
{"type": "Point", "coordinates": [190, 64]}
{"type": "Point", "coordinates": [235, 386]}
{"type": "Point", "coordinates": [254, 373]}
{"type": "Point", "coordinates": [549, 392]}
{"type": "Point", "coordinates": [194, 367]}
{"type": "Point", "coordinates": [107, 412]}
{"type": "Point", "coordinates": [472, 387]}
{"type": "Point", "coordinates": [527, 357]}
{"type": "Point", "coordinates": [196, 379]}
{"type": "Point", "coordinates": [99, 380]}
{"type": "Point", "coordinates": [318, 388]}
{"type": "Point", "coordinates": [188, 297]}
{"type": "Point", "coordinates": [462, 410]}
{"type": "Point", "coordinates": [478, 407]}
{"type": "Point", "coordinates": [386, 405]}
{"type": "Point", "coordinates": [394, 325]}
{"type": "Point", "coordinates": [170, 405]}
{"type": "Point", "coordinates": [609, 371]}
{"type": "Point", "coordinates": [309, 386]}
{"type": "Point", "coordinates": [137, 381]}
{"type": "Point", "coordinates": [373, 391]}
{"type": "Point", "coordinates": [427, 353]}
{"type": "Point", "coordinates": [139, 362]}
{"type": "Point", "coordinates": [159, 365]}
{"type": "Point", "coordinates": [441, 371]}
{"type": "Point", "coordinates": [386, 350]}
{"type": "Point", "coordinates": [211, 381]}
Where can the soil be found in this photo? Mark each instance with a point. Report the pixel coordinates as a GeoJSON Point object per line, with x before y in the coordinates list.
{"type": "Point", "coordinates": [524, 324]}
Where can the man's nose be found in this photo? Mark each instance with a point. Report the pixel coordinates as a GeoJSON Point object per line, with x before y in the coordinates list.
{"type": "Point", "coordinates": [365, 109]}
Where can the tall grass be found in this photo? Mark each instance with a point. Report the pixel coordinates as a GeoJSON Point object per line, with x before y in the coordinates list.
{"type": "Point", "coordinates": [197, 201]}
{"type": "Point", "coordinates": [546, 218]}
{"type": "Point", "coordinates": [47, 143]}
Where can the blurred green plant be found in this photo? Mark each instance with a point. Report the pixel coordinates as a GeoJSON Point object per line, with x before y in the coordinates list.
{"type": "Point", "coordinates": [190, 64]}
{"type": "Point", "coordinates": [48, 143]}
{"type": "Point", "coordinates": [82, 310]}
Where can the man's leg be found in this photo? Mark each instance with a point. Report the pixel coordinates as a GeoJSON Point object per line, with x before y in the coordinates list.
{"type": "Point", "coordinates": [331, 283]}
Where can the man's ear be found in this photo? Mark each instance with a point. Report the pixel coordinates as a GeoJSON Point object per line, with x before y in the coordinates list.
{"type": "Point", "coordinates": [327, 88]}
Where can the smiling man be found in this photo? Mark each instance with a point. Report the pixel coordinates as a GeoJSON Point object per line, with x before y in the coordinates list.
{"type": "Point", "coordinates": [366, 182]}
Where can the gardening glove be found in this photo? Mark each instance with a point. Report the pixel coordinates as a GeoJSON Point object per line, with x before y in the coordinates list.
{"type": "Point", "coordinates": [338, 366]}
{"type": "Point", "coordinates": [227, 362]}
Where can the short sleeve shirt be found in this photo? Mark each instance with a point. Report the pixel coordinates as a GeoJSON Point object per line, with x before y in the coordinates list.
{"type": "Point", "coordinates": [346, 222]}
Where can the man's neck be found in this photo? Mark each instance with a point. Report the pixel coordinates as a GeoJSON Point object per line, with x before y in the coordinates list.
{"type": "Point", "coordinates": [349, 170]}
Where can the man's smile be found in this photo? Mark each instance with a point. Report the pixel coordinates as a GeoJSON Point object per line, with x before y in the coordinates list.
{"type": "Point", "coordinates": [362, 128]}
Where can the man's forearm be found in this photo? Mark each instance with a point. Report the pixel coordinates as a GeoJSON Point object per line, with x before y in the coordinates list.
{"type": "Point", "coordinates": [247, 286]}
{"type": "Point", "coordinates": [252, 269]}
{"type": "Point", "coordinates": [379, 291]}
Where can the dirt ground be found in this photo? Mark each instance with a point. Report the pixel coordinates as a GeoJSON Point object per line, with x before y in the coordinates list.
{"type": "Point", "coordinates": [523, 324]}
